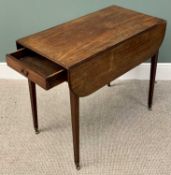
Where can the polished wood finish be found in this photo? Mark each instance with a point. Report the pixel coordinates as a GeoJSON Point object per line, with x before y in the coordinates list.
{"type": "Point", "coordinates": [37, 68]}
{"type": "Point", "coordinates": [88, 52]}
{"type": "Point", "coordinates": [81, 39]}
{"type": "Point", "coordinates": [33, 99]}
{"type": "Point", "coordinates": [74, 100]}
{"type": "Point", "coordinates": [154, 60]}
{"type": "Point", "coordinates": [86, 78]}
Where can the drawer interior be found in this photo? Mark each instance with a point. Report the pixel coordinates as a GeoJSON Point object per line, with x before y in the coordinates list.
{"type": "Point", "coordinates": [37, 63]}
{"type": "Point", "coordinates": [37, 68]}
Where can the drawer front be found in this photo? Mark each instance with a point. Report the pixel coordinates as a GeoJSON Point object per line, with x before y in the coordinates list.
{"type": "Point", "coordinates": [88, 77]}
{"type": "Point", "coordinates": [37, 68]}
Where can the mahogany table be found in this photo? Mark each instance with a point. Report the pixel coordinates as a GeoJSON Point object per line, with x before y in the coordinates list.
{"type": "Point", "coordinates": [88, 53]}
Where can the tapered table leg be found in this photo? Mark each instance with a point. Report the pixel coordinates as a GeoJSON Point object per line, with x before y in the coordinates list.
{"type": "Point", "coordinates": [32, 89]}
{"type": "Point", "coordinates": [154, 60]}
{"type": "Point", "coordinates": [74, 100]}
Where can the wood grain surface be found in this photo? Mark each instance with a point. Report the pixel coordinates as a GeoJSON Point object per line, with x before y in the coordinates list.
{"type": "Point", "coordinates": [86, 78]}
{"type": "Point", "coordinates": [76, 41]}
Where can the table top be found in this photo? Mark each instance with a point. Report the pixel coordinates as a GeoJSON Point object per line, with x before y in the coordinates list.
{"type": "Point", "coordinates": [76, 41]}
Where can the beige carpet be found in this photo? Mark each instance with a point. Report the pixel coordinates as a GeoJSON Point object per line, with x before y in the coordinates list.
{"type": "Point", "coordinates": [119, 136]}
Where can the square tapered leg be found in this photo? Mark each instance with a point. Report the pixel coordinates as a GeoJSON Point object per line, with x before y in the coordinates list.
{"type": "Point", "coordinates": [32, 89]}
{"type": "Point", "coordinates": [154, 60]}
{"type": "Point", "coordinates": [74, 100]}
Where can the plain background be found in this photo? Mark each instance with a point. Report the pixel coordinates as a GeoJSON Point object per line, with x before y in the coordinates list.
{"type": "Point", "coordinates": [23, 17]}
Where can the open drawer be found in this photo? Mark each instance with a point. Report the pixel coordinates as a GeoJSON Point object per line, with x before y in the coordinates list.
{"type": "Point", "coordinates": [37, 68]}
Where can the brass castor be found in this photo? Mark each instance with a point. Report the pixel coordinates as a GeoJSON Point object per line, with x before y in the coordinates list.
{"type": "Point", "coordinates": [77, 166]}
{"type": "Point", "coordinates": [37, 131]}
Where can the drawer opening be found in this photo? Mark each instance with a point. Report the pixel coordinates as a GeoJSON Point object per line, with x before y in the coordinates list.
{"type": "Point", "coordinates": [37, 68]}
